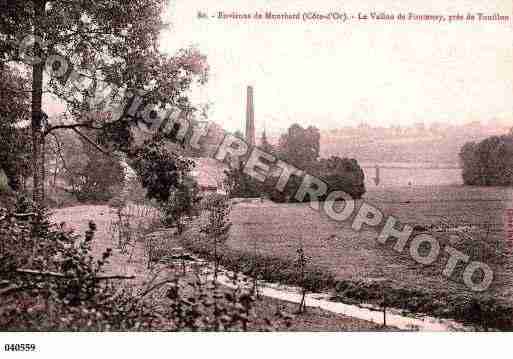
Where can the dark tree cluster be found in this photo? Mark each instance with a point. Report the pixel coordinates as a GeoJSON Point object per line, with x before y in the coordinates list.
{"type": "Point", "coordinates": [489, 162]}
{"type": "Point", "coordinates": [299, 147]}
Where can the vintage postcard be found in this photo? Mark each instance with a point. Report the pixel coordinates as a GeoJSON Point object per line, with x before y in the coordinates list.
{"type": "Point", "coordinates": [285, 166]}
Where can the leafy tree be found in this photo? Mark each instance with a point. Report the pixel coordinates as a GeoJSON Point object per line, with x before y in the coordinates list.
{"type": "Point", "coordinates": [218, 226]}
{"type": "Point", "coordinates": [15, 145]}
{"type": "Point", "coordinates": [471, 168]}
{"type": "Point", "coordinates": [159, 170]}
{"type": "Point", "coordinates": [240, 184]}
{"type": "Point", "coordinates": [489, 162]}
{"type": "Point", "coordinates": [182, 204]}
{"type": "Point", "coordinates": [98, 177]}
{"type": "Point", "coordinates": [342, 174]}
{"type": "Point", "coordinates": [299, 146]}
{"type": "Point", "coordinates": [166, 177]}
{"type": "Point", "coordinates": [112, 42]}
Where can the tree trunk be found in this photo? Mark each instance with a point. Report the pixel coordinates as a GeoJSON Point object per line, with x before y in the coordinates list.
{"type": "Point", "coordinates": [37, 96]}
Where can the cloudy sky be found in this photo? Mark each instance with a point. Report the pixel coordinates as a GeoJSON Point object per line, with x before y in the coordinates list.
{"type": "Point", "coordinates": [334, 74]}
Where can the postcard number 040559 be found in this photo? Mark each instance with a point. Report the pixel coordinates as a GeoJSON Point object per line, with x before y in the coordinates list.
{"type": "Point", "coordinates": [19, 347]}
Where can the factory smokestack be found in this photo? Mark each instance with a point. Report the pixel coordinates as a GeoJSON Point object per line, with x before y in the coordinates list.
{"type": "Point", "coordinates": [250, 118]}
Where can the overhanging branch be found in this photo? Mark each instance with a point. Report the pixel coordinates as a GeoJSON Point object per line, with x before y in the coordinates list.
{"type": "Point", "coordinates": [94, 144]}
{"type": "Point", "coordinates": [71, 127]}
{"type": "Point", "coordinates": [62, 275]}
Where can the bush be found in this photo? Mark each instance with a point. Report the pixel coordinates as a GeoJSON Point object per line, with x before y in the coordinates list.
{"type": "Point", "coordinates": [489, 162]}
{"type": "Point", "coordinates": [92, 175]}
{"type": "Point", "coordinates": [269, 268]}
{"type": "Point", "coordinates": [50, 281]}
{"type": "Point", "coordinates": [342, 174]}
{"type": "Point", "coordinates": [484, 313]}
{"type": "Point", "coordinates": [165, 177]}
{"type": "Point", "coordinates": [339, 174]}
{"type": "Point", "coordinates": [50, 274]}
{"type": "Point", "coordinates": [241, 185]}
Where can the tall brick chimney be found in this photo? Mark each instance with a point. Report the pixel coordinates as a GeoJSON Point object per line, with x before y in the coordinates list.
{"type": "Point", "coordinates": [250, 118]}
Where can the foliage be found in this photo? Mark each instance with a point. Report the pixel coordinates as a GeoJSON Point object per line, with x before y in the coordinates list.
{"type": "Point", "coordinates": [256, 265]}
{"type": "Point", "coordinates": [166, 177]}
{"type": "Point", "coordinates": [4, 183]}
{"type": "Point", "coordinates": [218, 226]}
{"type": "Point", "coordinates": [342, 174]}
{"type": "Point", "coordinates": [116, 40]}
{"type": "Point", "coordinates": [14, 94]}
{"type": "Point", "coordinates": [182, 204]}
{"type": "Point", "coordinates": [50, 274]}
{"type": "Point", "coordinates": [114, 44]}
{"type": "Point", "coordinates": [300, 147]}
{"type": "Point", "coordinates": [489, 162]}
{"type": "Point", "coordinates": [288, 193]}
{"type": "Point", "coordinates": [242, 185]}
{"type": "Point", "coordinates": [15, 143]}
{"type": "Point", "coordinates": [239, 134]}
{"type": "Point", "coordinates": [484, 313]}
{"type": "Point", "coordinates": [265, 145]}
{"type": "Point", "coordinates": [90, 175]}
{"type": "Point", "coordinates": [301, 262]}
{"type": "Point", "coordinates": [50, 281]}
{"type": "Point", "coordinates": [160, 170]}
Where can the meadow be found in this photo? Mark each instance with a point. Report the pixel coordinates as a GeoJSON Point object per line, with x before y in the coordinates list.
{"type": "Point", "coordinates": [280, 229]}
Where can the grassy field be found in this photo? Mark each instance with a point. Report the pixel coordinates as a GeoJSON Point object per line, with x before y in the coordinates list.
{"type": "Point", "coordinates": [314, 319]}
{"type": "Point", "coordinates": [279, 229]}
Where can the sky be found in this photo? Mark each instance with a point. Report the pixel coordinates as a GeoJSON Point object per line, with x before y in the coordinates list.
{"type": "Point", "coordinates": [332, 75]}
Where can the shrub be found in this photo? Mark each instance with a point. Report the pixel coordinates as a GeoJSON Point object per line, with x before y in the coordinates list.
{"type": "Point", "coordinates": [92, 175]}
{"type": "Point", "coordinates": [50, 281]}
{"type": "Point", "coordinates": [218, 225]}
{"type": "Point", "coordinates": [269, 268]}
{"type": "Point", "coordinates": [489, 162]}
{"type": "Point", "coordinates": [484, 313]}
{"type": "Point", "coordinates": [51, 274]}
{"type": "Point", "coordinates": [342, 174]}
{"type": "Point", "coordinates": [242, 185]}
{"type": "Point", "coordinates": [165, 177]}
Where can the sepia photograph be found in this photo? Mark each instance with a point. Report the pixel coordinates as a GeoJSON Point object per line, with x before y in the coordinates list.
{"type": "Point", "coordinates": [321, 175]}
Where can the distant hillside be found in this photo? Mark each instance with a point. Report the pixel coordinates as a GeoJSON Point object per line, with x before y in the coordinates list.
{"type": "Point", "coordinates": [441, 149]}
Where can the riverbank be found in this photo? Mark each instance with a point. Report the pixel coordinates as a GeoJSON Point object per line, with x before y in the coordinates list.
{"type": "Point", "coordinates": [134, 263]}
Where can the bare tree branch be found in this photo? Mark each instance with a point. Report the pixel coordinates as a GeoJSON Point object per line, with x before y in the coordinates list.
{"type": "Point", "coordinates": [71, 127]}
{"type": "Point", "coordinates": [62, 275]}
{"type": "Point", "coordinates": [92, 142]}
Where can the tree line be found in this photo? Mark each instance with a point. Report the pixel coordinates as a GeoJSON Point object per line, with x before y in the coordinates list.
{"type": "Point", "coordinates": [299, 147]}
{"type": "Point", "coordinates": [488, 162]}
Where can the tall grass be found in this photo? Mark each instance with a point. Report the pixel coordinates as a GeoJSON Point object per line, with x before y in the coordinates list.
{"type": "Point", "coordinates": [265, 267]}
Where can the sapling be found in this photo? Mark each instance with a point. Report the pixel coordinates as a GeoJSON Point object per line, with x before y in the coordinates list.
{"type": "Point", "coordinates": [218, 225]}
{"type": "Point", "coordinates": [255, 274]}
{"type": "Point", "coordinates": [301, 264]}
